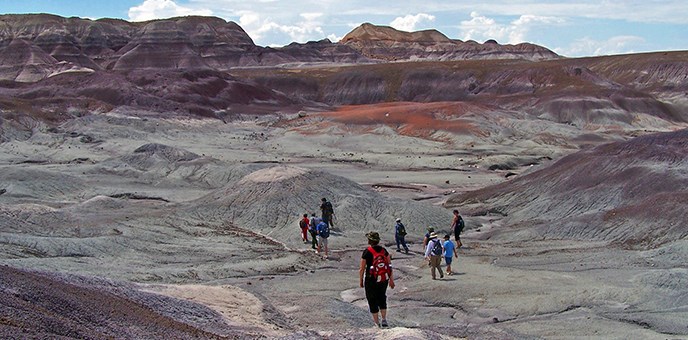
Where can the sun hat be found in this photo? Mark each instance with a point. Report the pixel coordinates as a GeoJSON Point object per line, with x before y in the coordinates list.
{"type": "Point", "coordinates": [431, 229]}
{"type": "Point", "coordinates": [373, 236]}
{"type": "Point", "coordinates": [433, 235]}
{"type": "Point", "coordinates": [398, 220]}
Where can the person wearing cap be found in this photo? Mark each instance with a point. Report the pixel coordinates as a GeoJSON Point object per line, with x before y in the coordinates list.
{"type": "Point", "coordinates": [433, 253]}
{"type": "Point", "coordinates": [400, 236]}
{"type": "Point", "coordinates": [375, 281]}
{"type": "Point", "coordinates": [449, 251]}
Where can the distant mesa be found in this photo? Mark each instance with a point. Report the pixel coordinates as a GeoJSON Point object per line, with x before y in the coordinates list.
{"type": "Point", "coordinates": [389, 44]}
{"type": "Point", "coordinates": [195, 42]}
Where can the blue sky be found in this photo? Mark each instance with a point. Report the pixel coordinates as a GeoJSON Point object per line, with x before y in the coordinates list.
{"type": "Point", "coordinates": [570, 28]}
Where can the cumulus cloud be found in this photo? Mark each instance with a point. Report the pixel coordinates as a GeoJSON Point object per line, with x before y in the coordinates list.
{"type": "Point", "coordinates": [410, 22]}
{"type": "Point", "coordinates": [481, 28]}
{"type": "Point", "coordinates": [307, 28]}
{"type": "Point", "coordinates": [590, 47]}
{"type": "Point", "coordinates": [160, 9]}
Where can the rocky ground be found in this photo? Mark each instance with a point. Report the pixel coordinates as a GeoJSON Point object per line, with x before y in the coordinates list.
{"type": "Point", "coordinates": [136, 226]}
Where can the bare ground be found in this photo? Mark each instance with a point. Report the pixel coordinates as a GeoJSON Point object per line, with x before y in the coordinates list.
{"type": "Point", "coordinates": [160, 243]}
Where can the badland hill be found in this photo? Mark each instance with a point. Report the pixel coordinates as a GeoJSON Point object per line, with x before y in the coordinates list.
{"type": "Point", "coordinates": [152, 175]}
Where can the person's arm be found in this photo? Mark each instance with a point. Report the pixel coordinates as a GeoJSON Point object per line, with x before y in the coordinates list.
{"type": "Point", "coordinates": [428, 248]}
{"type": "Point", "coordinates": [361, 272]}
{"type": "Point", "coordinates": [391, 273]}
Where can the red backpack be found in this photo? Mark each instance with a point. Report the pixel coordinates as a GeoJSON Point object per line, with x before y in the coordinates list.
{"type": "Point", "coordinates": [381, 269]}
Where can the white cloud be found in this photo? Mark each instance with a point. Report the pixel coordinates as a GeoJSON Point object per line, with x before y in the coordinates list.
{"type": "Point", "coordinates": [272, 22]}
{"type": "Point", "coordinates": [589, 47]}
{"type": "Point", "coordinates": [334, 38]}
{"type": "Point", "coordinates": [160, 9]}
{"type": "Point", "coordinates": [257, 27]}
{"type": "Point", "coordinates": [410, 22]}
{"type": "Point", "coordinates": [481, 28]}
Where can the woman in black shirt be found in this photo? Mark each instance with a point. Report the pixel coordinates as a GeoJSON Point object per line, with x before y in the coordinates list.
{"type": "Point", "coordinates": [377, 269]}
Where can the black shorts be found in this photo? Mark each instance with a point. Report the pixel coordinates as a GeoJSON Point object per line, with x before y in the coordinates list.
{"type": "Point", "coordinates": [376, 294]}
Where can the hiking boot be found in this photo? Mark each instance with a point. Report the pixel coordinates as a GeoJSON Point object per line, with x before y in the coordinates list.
{"type": "Point", "coordinates": [406, 251]}
{"type": "Point", "coordinates": [384, 324]}
{"type": "Point", "coordinates": [398, 250]}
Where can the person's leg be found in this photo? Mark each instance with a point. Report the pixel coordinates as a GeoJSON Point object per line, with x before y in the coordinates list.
{"type": "Point", "coordinates": [403, 243]}
{"type": "Point", "coordinates": [376, 319]}
{"type": "Point", "coordinates": [314, 240]}
{"type": "Point", "coordinates": [372, 300]}
{"type": "Point", "coordinates": [320, 241]}
{"type": "Point", "coordinates": [325, 242]}
{"type": "Point", "coordinates": [432, 267]}
{"type": "Point", "coordinates": [439, 266]}
{"type": "Point", "coordinates": [448, 261]}
{"type": "Point", "coordinates": [436, 262]}
{"type": "Point", "coordinates": [382, 302]}
{"type": "Point", "coordinates": [398, 239]}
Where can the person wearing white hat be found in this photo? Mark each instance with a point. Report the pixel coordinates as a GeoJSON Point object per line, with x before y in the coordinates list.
{"type": "Point", "coordinates": [433, 253]}
{"type": "Point", "coordinates": [400, 236]}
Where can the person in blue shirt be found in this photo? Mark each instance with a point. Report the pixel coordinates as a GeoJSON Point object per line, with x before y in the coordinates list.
{"type": "Point", "coordinates": [323, 234]}
{"type": "Point", "coordinates": [449, 251]}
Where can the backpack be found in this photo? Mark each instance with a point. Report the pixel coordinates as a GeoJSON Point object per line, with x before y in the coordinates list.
{"type": "Point", "coordinates": [460, 225]}
{"type": "Point", "coordinates": [380, 269]}
{"type": "Point", "coordinates": [328, 208]}
{"type": "Point", "coordinates": [313, 226]}
{"type": "Point", "coordinates": [402, 230]}
{"type": "Point", "coordinates": [436, 248]}
{"type": "Point", "coordinates": [303, 224]}
{"type": "Point", "coordinates": [325, 231]}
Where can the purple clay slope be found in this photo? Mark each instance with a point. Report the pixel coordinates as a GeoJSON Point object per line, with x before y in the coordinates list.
{"type": "Point", "coordinates": [632, 193]}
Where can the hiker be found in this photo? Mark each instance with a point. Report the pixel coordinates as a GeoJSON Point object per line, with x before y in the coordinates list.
{"type": "Point", "coordinates": [304, 224]}
{"type": "Point", "coordinates": [327, 211]}
{"type": "Point", "coordinates": [427, 237]}
{"type": "Point", "coordinates": [323, 234]}
{"type": "Point", "coordinates": [376, 266]}
{"type": "Point", "coordinates": [433, 253]}
{"type": "Point", "coordinates": [313, 229]}
{"type": "Point", "coordinates": [457, 227]}
{"type": "Point", "coordinates": [400, 235]}
{"type": "Point", "coordinates": [449, 251]}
